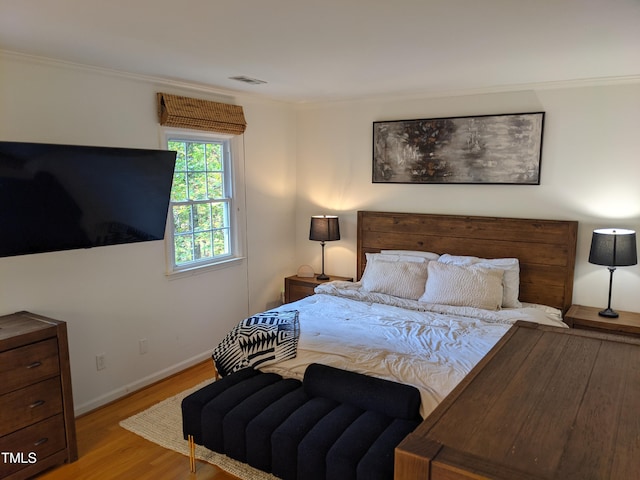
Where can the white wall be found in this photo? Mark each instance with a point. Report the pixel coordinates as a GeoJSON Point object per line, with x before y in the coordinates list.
{"type": "Point", "coordinates": [113, 296]}
{"type": "Point", "coordinates": [271, 196]}
{"type": "Point", "coordinates": [590, 173]}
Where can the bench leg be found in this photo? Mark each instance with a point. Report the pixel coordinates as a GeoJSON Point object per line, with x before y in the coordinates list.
{"type": "Point", "coordinates": [216, 373]}
{"type": "Point", "coordinates": [192, 454]}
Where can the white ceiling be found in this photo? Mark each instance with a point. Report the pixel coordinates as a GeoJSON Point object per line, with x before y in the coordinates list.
{"type": "Point", "coordinates": [336, 49]}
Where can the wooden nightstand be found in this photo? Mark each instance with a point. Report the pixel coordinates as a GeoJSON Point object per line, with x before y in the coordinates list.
{"type": "Point", "coordinates": [587, 318]}
{"type": "Point", "coordinates": [296, 287]}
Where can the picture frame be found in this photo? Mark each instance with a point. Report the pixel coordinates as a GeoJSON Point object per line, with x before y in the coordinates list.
{"type": "Point", "coordinates": [486, 149]}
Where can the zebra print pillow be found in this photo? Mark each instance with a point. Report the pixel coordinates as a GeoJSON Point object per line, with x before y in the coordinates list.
{"type": "Point", "coordinates": [259, 340]}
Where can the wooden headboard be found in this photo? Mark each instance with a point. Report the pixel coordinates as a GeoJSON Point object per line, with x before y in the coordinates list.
{"type": "Point", "coordinates": [546, 249]}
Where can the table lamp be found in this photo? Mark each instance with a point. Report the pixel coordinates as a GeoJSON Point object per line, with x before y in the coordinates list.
{"type": "Point", "coordinates": [324, 228]}
{"type": "Point", "coordinates": [613, 248]}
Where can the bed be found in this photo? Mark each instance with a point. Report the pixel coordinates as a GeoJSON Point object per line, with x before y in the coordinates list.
{"type": "Point", "coordinates": [433, 295]}
{"type": "Point", "coordinates": [431, 345]}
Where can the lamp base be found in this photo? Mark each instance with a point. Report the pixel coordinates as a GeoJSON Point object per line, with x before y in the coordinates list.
{"type": "Point", "coordinates": [607, 312]}
{"type": "Point", "coordinates": [322, 276]}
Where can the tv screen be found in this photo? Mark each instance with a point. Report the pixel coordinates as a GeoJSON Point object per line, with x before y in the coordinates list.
{"type": "Point", "coordinates": [62, 197]}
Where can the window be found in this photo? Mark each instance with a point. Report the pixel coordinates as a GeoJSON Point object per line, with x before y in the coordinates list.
{"type": "Point", "coordinates": [202, 224]}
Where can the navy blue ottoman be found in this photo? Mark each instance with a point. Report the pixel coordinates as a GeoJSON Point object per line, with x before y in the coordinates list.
{"type": "Point", "coordinates": [335, 424]}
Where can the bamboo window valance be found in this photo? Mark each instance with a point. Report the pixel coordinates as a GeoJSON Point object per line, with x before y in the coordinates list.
{"type": "Point", "coordinates": [186, 112]}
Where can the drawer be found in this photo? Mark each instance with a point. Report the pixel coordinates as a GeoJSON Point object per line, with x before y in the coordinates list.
{"type": "Point", "coordinates": [36, 442]}
{"type": "Point", "coordinates": [296, 291]}
{"type": "Point", "coordinates": [23, 366]}
{"type": "Point", "coordinates": [30, 405]}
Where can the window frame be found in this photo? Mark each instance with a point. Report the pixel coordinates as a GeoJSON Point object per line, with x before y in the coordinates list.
{"type": "Point", "coordinates": [233, 178]}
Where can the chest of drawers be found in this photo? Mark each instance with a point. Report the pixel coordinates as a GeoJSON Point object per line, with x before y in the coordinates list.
{"type": "Point", "coordinates": [545, 403]}
{"type": "Point", "coordinates": [37, 425]}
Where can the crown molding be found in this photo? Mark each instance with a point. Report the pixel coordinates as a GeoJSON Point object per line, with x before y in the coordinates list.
{"type": "Point", "coordinates": [494, 90]}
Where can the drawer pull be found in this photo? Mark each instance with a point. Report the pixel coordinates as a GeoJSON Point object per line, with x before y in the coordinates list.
{"type": "Point", "coordinates": [42, 441]}
{"type": "Point", "coordinates": [36, 404]}
{"type": "Point", "coordinates": [34, 365]}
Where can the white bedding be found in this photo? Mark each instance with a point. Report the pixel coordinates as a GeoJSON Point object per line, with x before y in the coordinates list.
{"type": "Point", "coordinates": [431, 347]}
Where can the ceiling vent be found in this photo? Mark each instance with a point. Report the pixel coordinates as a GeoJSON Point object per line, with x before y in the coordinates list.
{"type": "Point", "coordinates": [249, 80]}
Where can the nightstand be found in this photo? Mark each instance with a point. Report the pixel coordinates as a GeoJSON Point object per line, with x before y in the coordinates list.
{"type": "Point", "coordinates": [296, 287]}
{"type": "Point", "coordinates": [587, 318]}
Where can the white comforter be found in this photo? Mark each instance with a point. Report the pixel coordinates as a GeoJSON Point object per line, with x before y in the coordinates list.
{"type": "Point", "coordinates": [431, 347]}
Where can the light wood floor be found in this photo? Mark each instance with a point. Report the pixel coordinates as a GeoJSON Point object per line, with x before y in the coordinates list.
{"type": "Point", "coordinates": [108, 451]}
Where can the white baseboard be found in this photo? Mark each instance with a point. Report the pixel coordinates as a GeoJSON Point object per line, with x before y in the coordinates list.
{"type": "Point", "coordinates": [139, 384]}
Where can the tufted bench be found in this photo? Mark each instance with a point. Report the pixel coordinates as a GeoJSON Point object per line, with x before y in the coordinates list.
{"type": "Point", "coordinates": [333, 425]}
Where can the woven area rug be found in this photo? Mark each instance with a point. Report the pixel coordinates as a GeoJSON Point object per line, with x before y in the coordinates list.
{"type": "Point", "coordinates": [162, 424]}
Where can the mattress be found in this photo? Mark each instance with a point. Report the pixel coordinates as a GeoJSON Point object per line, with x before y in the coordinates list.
{"type": "Point", "coordinates": [429, 346]}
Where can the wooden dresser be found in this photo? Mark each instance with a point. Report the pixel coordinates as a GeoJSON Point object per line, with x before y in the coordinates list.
{"type": "Point", "coordinates": [37, 424]}
{"type": "Point", "coordinates": [545, 403]}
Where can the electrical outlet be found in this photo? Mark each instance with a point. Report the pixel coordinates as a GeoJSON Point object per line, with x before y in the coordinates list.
{"type": "Point", "coordinates": [144, 346]}
{"type": "Point", "coordinates": [101, 362]}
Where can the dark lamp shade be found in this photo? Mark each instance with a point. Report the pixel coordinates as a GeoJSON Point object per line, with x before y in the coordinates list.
{"type": "Point", "coordinates": [613, 248]}
{"type": "Point", "coordinates": [324, 228]}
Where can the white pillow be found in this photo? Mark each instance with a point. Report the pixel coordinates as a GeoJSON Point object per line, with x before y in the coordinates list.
{"type": "Point", "coordinates": [511, 280]}
{"type": "Point", "coordinates": [400, 279]}
{"type": "Point", "coordinates": [469, 286]}
{"type": "Point", "coordinates": [394, 257]}
{"type": "Point", "coordinates": [412, 253]}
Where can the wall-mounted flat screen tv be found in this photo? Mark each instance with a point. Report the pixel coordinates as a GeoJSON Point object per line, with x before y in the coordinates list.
{"type": "Point", "coordinates": [63, 197]}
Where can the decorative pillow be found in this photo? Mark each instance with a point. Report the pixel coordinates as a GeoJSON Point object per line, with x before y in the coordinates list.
{"type": "Point", "coordinates": [511, 280]}
{"type": "Point", "coordinates": [471, 286]}
{"type": "Point", "coordinates": [260, 340]}
{"type": "Point", "coordinates": [400, 279]}
{"type": "Point", "coordinates": [412, 253]}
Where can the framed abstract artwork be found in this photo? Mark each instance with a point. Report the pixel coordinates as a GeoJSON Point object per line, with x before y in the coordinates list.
{"type": "Point", "coordinates": [485, 149]}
